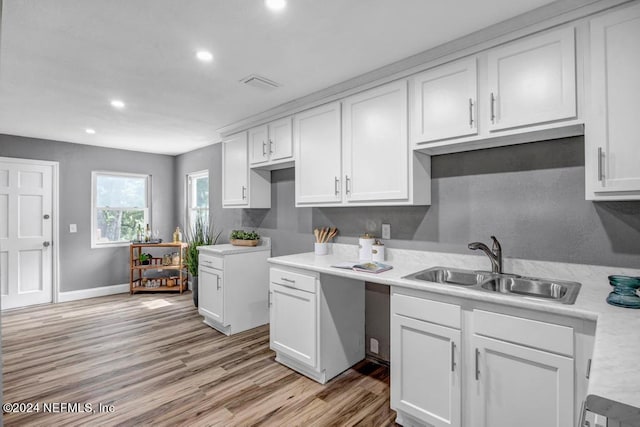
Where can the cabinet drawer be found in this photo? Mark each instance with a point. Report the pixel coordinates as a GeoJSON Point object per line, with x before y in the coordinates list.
{"type": "Point", "coordinates": [531, 333]}
{"type": "Point", "coordinates": [293, 280]}
{"type": "Point", "coordinates": [423, 309]}
{"type": "Point", "coordinates": [211, 261]}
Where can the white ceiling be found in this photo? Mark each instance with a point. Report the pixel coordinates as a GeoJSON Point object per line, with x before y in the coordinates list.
{"type": "Point", "coordinates": [62, 61]}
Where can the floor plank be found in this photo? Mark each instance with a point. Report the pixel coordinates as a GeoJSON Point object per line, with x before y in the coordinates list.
{"type": "Point", "coordinates": [151, 358]}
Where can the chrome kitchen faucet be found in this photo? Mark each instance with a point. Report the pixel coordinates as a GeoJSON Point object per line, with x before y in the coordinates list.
{"type": "Point", "coordinates": [494, 254]}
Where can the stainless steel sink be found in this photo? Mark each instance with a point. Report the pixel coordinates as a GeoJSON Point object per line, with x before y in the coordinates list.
{"type": "Point", "coordinates": [450, 276]}
{"type": "Point", "coordinates": [564, 292]}
{"type": "Point", "coordinates": [509, 284]}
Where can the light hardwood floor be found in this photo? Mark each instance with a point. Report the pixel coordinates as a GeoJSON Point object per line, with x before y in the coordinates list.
{"type": "Point", "coordinates": [152, 358]}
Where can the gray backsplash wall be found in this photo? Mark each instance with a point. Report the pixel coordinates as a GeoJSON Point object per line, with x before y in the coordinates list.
{"type": "Point", "coordinates": [531, 196]}
{"type": "Point", "coordinates": [82, 267]}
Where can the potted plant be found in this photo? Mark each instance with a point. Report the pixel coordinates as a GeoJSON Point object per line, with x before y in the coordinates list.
{"type": "Point", "coordinates": [244, 238]}
{"type": "Point", "coordinates": [145, 259]}
{"type": "Point", "coordinates": [201, 234]}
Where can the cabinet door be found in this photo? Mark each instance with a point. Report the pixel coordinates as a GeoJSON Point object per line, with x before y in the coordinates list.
{"type": "Point", "coordinates": [533, 81]}
{"type": "Point", "coordinates": [258, 145]}
{"type": "Point", "coordinates": [613, 145]}
{"type": "Point", "coordinates": [211, 294]}
{"type": "Point", "coordinates": [520, 386]}
{"type": "Point", "coordinates": [235, 170]}
{"type": "Point", "coordinates": [376, 145]}
{"type": "Point", "coordinates": [280, 139]}
{"type": "Point", "coordinates": [294, 324]}
{"type": "Point", "coordinates": [444, 102]}
{"type": "Point", "coordinates": [318, 155]}
{"type": "Point", "coordinates": [425, 371]}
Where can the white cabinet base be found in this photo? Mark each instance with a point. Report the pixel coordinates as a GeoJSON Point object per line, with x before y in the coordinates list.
{"type": "Point", "coordinates": [339, 325]}
{"type": "Point", "coordinates": [232, 297]}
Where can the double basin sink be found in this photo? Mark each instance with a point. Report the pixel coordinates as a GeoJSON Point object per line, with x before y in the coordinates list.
{"type": "Point", "coordinates": [509, 284]}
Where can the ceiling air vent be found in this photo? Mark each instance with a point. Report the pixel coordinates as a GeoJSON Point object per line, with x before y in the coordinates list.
{"type": "Point", "coordinates": [259, 82]}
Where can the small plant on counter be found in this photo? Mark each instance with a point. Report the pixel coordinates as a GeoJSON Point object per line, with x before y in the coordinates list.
{"type": "Point", "coordinates": [244, 235]}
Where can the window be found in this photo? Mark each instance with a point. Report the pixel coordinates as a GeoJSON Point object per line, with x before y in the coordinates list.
{"type": "Point", "coordinates": [197, 197]}
{"type": "Point", "coordinates": [120, 207]}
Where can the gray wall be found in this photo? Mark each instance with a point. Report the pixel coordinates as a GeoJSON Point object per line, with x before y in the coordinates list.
{"type": "Point", "coordinates": [531, 196]}
{"type": "Point", "coordinates": [82, 267]}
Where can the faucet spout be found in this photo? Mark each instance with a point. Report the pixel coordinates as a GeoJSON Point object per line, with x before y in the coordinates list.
{"type": "Point", "coordinates": [494, 254]}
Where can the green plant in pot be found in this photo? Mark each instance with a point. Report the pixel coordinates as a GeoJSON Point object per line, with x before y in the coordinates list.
{"type": "Point", "coordinates": [202, 233]}
{"type": "Point", "coordinates": [145, 259]}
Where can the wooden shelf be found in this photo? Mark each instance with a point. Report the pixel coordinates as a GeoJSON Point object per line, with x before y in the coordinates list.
{"type": "Point", "coordinates": [158, 289]}
{"type": "Point", "coordinates": [157, 267]}
{"type": "Point", "coordinates": [136, 269]}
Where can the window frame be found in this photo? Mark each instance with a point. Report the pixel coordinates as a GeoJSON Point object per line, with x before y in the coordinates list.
{"type": "Point", "coordinates": [191, 177]}
{"type": "Point", "coordinates": [94, 208]}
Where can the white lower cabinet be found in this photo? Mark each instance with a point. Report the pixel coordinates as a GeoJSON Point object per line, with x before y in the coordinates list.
{"type": "Point", "coordinates": [231, 297]}
{"type": "Point", "coordinates": [425, 369]}
{"type": "Point", "coordinates": [520, 386]}
{"type": "Point", "coordinates": [294, 323]}
{"type": "Point", "coordinates": [317, 322]}
{"type": "Point", "coordinates": [455, 365]}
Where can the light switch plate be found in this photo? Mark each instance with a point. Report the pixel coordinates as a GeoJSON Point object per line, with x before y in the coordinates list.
{"type": "Point", "coordinates": [73, 228]}
{"type": "Point", "coordinates": [386, 231]}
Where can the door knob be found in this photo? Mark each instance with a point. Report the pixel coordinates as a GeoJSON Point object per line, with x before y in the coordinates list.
{"type": "Point", "coordinates": [46, 216]}
{"type": "Point", "coordinates": [46, 244]}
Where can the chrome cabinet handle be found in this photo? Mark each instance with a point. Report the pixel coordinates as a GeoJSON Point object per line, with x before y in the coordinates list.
{"type": "Point", "coordinates": [270, 146]}
{"type": "Point", "coordinates": [477, 364]}
{"type": "Point", "coordinates": [600, 168]}
{"type": "Point", "coordinates": [453, 358]}
{"type": "Point", "coordinates": [470, 113]}
{"type": "Point", "coordinates": [493, 108]}
{"type": "Point", "coordinates": [588, 369]}
{"type": "Point", "coordinates": [244, 190]}
{"type": "Point", "coordinates": [218, 282]}
{"type": "Point", "coordinates": [264, 148]}
{"type": "Point", "coordinates": [284, 279]}
{"type": "Point", "coordinates": [347, 184]}
{"type": "Point", "coordinates": [336, 181]}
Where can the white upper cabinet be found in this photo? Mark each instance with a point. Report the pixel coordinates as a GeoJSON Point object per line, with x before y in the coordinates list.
{"type": "Point", "coordinates": [363, 159]}
{"type": "Point", "coordinates": [375, 143]}
{"type": "Point", "coordinates": [443, 102]}
{"type": "Point", "coordinates": [612, 156]}
{"type": "Point", "coordinates": [241, 187]}
{"type": "Point", "coordinates": [532, 81]}
{"type": "Point", "coordinates": [258, 145]}
{"type": "Point", "coordinates": [318, 145]}
{"type": "Point", "coordinates": [271, 144]}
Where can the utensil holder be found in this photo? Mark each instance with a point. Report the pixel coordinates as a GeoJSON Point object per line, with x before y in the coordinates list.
{"type": "Point", "coordinates": [321, 248]}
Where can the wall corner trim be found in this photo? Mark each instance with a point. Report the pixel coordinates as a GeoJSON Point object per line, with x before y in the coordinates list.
{"type": "Point", "coordinates": [93, 292]}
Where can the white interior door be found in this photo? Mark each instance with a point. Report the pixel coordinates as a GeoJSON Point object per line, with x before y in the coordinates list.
{"type": "Point", "coordinates": [26, 229]}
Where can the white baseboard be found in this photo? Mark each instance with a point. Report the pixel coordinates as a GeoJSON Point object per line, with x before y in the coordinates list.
{"type": "Point", "coordinates": [93, 292]}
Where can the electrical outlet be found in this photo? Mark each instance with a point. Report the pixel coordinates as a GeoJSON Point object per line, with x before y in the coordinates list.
{"type": "Point", "coordinates": [73, 228]}
{"type": "Point", "coordinates": [373, 345]}
{"type": "Point", "coordinates": [386, 231]}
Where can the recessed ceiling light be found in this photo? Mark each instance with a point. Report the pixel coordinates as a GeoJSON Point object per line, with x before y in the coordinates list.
{"type": "Point", "coordinates": [90, 131]}
{"type": "Point", "coordinates": [116, 103]}
{"type": "Point", "coordinates": [275, 5]}
{"type": "Point", "coordinates": [204, 56]}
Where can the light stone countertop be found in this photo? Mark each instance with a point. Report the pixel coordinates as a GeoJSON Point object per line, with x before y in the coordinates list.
{"type": "Point", "coordinates": [614, 383]}
{"type": "Point", "coordinates": [228, 249]}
